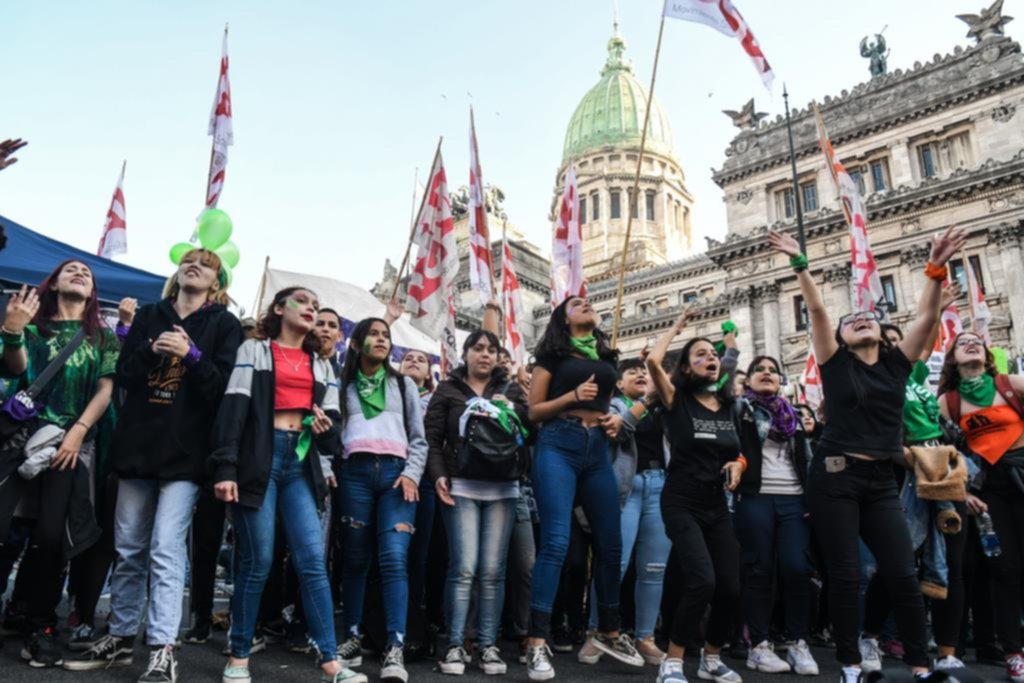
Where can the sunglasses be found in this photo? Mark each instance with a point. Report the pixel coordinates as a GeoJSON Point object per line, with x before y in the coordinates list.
{"type": "Point", "coordinates": [863, 316]}
{"type": "Point", "coordinates": [771, 369]}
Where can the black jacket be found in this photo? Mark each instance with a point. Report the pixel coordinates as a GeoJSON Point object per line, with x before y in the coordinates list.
{"type": "Point", "coordinates": [747, 418]}
{"type": "Point", "coordinates": [446, 408]}
{"type": "Point", "coordinates": [163, 429]}
{"type": "Point", "coordinates": [244, 430]}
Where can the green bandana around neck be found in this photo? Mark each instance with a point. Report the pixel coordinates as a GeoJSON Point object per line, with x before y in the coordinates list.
{"type": "Point", "coordinates": [630, 403]}
{"type": "Point", "coordinates": [715, 387]}
{"type": "Point", "coordinates": [372, 392]}
{"type": "Point", "coordinates": [305, 438]}
{"type": "Point", "coordinates": [980, 390]}
{"type": "Point", "coordinates": [585, 346]}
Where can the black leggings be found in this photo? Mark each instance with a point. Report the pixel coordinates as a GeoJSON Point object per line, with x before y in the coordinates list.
{"type": "Point", "coordinates": [860, 502]}
{"type": "Point", "coordinates": [947, 614]}
{"type": "Point", "coordinates": [90, 569]}
{"type": "Point", "coordinates": [697, 522]}
{"type": "Point", "coordinates": [207, 536]}
{"type": "Point", "coordinates": [1006, 507]}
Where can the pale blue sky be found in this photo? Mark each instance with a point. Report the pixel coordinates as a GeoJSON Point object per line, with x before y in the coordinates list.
{"type": "Point", "coordinates": [336, 103]}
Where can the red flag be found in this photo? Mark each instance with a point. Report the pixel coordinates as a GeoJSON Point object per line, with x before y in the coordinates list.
{"type": "Point", "coordinates": [950, 326]}
{"type": "Point", "coordinates": [981, 316]}
{"type": "Point", "coordinates": [481, 264]}
{"type": "Point", "coordinates": [866, 290]}
{"type": "Point", "coordinates": [812, 381]}
{"type": "Point", "coordinates": [115, 229]}
{"type": "Point", "coordinates": [437, 260]}
{"type": "Point", "coordinates": [567, 252]}
{"type": "Point", "coordinates": [221, 129]}
{"type": "Point", "coordinates": [513, 306]}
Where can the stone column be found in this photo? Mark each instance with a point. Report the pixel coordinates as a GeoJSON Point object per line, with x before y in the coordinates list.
{"type": "Point", "coordinates": [912, 260]}
{"type": "Point", "coordinates": [769, 295]}
{"type": "Point", "coordinates": [741, 314]}
{"type": "Point", "coordinates": [1007, 240]}
{"type": "Point", "coordinates": [837, 298]}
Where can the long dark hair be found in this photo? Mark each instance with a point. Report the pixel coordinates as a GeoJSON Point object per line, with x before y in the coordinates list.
{"type": "Point", "coordinates": [354, 359]}
{"type": "Point", "coordinates": [757, 361]}
{"type": "Point", "coordinates": [685, 381]}
{"type": "Point", "coordinates": [48, 307]}
{"type": "Point", "coordinates": [950, 377]}
{"type": "Point", "coordinates": [269, 326]}
{"type": "Point", "coordinates": [555, 344]}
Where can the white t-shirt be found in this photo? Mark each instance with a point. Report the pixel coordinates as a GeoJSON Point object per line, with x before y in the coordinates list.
{"type": "Point", "coordinates": [778, 474]}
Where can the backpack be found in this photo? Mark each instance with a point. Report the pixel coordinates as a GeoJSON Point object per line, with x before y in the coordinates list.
{"type": "Point", "coordinates": [1003, 388]}
{"type": "Point", "coordinates": [486, 452]}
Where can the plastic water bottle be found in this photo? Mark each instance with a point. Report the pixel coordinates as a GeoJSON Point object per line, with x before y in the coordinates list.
{"type": "Point", "coordinates": [989, 539]}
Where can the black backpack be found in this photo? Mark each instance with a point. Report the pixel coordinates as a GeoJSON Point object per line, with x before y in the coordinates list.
{"type": "Point", "coordinates": [487, 452]}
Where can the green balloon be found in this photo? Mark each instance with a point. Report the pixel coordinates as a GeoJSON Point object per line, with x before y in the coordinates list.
{"type": "Point", "coordinates": [179, 250]}
{"type": "Point", "coordinates": [214, 229]}
{"type": "Point", "coordinates": [228, 253]}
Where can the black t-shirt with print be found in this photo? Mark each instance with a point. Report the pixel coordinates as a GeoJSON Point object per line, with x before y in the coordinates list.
{"type": "Point", "coordinates": [702, 441]}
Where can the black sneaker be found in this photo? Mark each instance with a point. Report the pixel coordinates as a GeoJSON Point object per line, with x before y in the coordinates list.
{"type": "Point", "coordinates": [162, 668]}
{"type": "Point", "coordinates": [83, 637]}
{"type": "Point", "coordinates": [297, 638]}
{"type": "Point", "coordinates": [561, 639]}
{"type": "Point", "coordinates": [107, 652]}
{"type": "Point", "coordinates": [42, 650]}
{"type": "Point", "coordinates": [392, 667]}
{"type": "Point", "coordinates": [275, 631]}
{"type": "Point", "coordinates": [491, 662]}
{"type": "Point", "coordinates": [453, 663]}
{"type": "Point", "coordinates": [200, 632]}
{"type": "Point", "coordinates": [350, 653]}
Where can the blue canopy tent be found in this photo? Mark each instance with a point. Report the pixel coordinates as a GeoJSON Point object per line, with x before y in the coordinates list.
{"type": "Point", "coordinates": [29, 257]}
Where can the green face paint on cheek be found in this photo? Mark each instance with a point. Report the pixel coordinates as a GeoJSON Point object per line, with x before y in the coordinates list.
{"type": "Point", "coordinates": [292, 304]}
{"type": "Point", "coordinates": [367, 345]}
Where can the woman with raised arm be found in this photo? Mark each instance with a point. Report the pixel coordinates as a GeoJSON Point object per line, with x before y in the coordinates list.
{"type": "Point", "coordinates": [989, 408]}
{"type": "Point", "coordinates": [851, 491]}
{"type": "Point", "coordinates": [705, 460]}
{"type": "Point", "coordinates": [570, 393]}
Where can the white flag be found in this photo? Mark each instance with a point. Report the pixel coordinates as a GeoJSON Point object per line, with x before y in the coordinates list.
{"type": "Point", "coordinates": [115, 229]}
{"type": "Point", "coordinates": [513, 306]}
{"type": "Point", "coordinates": [221, 129]}
{"type": "Point", "coordinates": [481, 264]}
{"type": "Point", "coordinates": [567, 250]}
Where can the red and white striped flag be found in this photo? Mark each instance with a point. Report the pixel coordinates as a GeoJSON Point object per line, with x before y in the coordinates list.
{"type": "Point", "coordinates": [723, 16]}
{"type": "Point", "coordinates": [813, 393]}
{"type": "Point", "coordinates": [981, 316]}
{"type": "Point", "coordinates": [115, 229]}
{"type": "Point", "coordinates": [437, 259]}
{"type": "Point", "coordinates": [220, 129]}
{"type": "Point", "coordinates": [449, 345]}
{"type": "Point", "coordinates": [950, 325]}
{"type": "Point", "coordinates": [481, 263]}
{"type": "Point", "coordinates": [513, 306]}
{"type": "Point", "coordinates": [866, 286]}
{"type": "Point", "coordinates": [567, 250]}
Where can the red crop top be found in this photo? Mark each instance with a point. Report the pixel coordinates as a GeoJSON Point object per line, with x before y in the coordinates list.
{"type": "Point", "coordinates": [293, 379]}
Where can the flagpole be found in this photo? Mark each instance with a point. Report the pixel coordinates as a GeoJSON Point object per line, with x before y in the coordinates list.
{"type": "Point", "coordinates": [263, 287]}
{"type": "Point", "coordinates": [968, 276]}
{"type": "Point", "coordinates": [504, 245]}
{"type": "Point", "coordinates": [412, 232]}
{"type": "Point", "coordinates": [213, 151]}
{"type": "Point", "coordinates": [796, 183]}
{"type": "Point", "coordinates": [636, 188]}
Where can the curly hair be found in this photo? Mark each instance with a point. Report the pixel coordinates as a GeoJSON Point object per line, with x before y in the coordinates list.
{"type": "Point", "coordinates": [949, 379]}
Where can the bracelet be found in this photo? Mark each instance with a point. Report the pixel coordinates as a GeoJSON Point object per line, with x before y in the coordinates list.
{"type": "Point", "coordinates": [576, 394]}
{"type": "Point", "coordinates": [936, 272]}
{"type": "Point", "coordinates": [79, 422]}
{"type": "Point", "coordinates": [13, 341]}
{"type": "Point", "coordinates": [799, 262]}
{"type": "Point", "coordinates": [493, 307]}
{"type": "Point", "coordinates": [743, 462]}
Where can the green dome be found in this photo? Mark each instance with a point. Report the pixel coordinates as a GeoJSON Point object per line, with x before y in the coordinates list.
{"type": "Point", "coordinates": [612, 113]}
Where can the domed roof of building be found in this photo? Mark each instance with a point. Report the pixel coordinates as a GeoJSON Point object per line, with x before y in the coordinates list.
{"type": "Point", "coordinates": [611, 114]}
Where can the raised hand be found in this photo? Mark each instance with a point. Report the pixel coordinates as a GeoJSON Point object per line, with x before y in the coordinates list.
{"type": "Point", "coordinates": [946, 245]}
{"type": "Point", "coordinates": [784, 243]}
{"type": "Point", "coordinates": [394, 311]}
{"type": "Point", "coordinates": [21, 308]}
{"type": "Point", "coordinates": [949, 296]}
{"type": "Point", "coordinates": [7, 148]}
{"type": "Point", "coordinates": [126, 310]}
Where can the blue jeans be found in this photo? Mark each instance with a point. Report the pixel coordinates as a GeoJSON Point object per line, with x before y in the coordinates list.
{"type": "Point", "coordinates": [642, 527]}
{"type": "Point", "coordinates": [479, 532]}
{"type": "Point", "coordinates": [150, 531]}
{"type": "Point", "coordinates": [290, 493]}
{"type": "Point", "coordinates": [773, 531]}
{"type": "Point", "coordinates": [375, 516]}
{"type": "Point", "coordinates": [571, 463]}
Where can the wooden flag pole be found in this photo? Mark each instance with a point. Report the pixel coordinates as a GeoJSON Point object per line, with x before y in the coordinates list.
{"type": "Point", "coordinates": [213, 147]}
{"type": "Point", "coordinates": [636, 188]}
{"type": "Point", "coordinates": [412, 232]}
{"type": "Point", "coordinates": [504, 245]}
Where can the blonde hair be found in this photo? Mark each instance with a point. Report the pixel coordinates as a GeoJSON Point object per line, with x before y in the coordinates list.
{"type": "Point", "coordinates": [210, 260]}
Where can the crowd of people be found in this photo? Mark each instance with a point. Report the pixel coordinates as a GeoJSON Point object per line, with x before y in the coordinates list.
{"type": "Point", "coordinates": [626, 509]}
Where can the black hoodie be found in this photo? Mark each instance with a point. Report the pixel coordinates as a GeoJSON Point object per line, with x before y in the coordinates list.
{"type": "Point", "coordinates": [163, 430]}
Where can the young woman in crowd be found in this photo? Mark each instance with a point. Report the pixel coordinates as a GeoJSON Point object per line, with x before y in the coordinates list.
{"type": "Point", "coordinates": [275, 432]}
{"type": "Point", "coordinates": [639, 458]}
{"type": "Point", "coordinates": [987, 407]}
{"type": "Point", "coordinates": [705, 461]}
{"type": "Point", "coordinates": [385, 453]}
{"type": "Point", "coordinates": [852, 493]}
{"type": "Point", "coordinates": [173, 368]}
{"type": "Point", "coordinates": [812, 425]}
{"type": "Point", "coordinates": [570, 393]}
{"type": "Point", "coordinates": [478, 500]}
{"type": "Point", "coordinates": [35, 329]}
{"type": "Point", "coordinates": [771, 519]}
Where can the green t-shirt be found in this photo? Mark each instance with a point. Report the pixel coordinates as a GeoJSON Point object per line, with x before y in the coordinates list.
{"type": "Point", "coordinates": [67, 395]}
{"type": "Point", "coordinates": [921, 409]}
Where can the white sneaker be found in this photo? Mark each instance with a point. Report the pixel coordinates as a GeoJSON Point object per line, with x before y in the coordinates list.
{"type": "Point", "coordinates": [713, 669]}
{"type": "Point", "coordinates": [800, 658]}
{"type": "Point", "coordinates": [763, 658]}
{"type": "Point", "coordinates": [870, 655]}
{"type": "Point", "coordinates": [453, 663]}
{"type": "Point", "coordinates": [671, 671]}
{"type": "Point", "coordinates": [589, 654]}
{"type": "Point", "coordinates": [948, 662]}
{"type": "Point", "coordinates": [850, 674]}
{"type": "Point", "coordinates": [538, 663]}
{"type": "Point", "coordinates": [491, 662]}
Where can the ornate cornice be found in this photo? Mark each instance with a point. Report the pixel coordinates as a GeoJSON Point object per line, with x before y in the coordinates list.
{"type": "Point", "coordinates": [838, 274]}
{"type": "Point", "coordinates": [915, 256]}
{"type": "Point", "coordinates": [1007, 235]}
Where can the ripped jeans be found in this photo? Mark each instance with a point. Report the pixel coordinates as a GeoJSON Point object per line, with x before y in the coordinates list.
{"type": "Point", "coordinates": [375, 518]}
{"type": "Point", "coordinates": [642, 527]}
{"type": "Point", "coordinates": [773, 531]}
